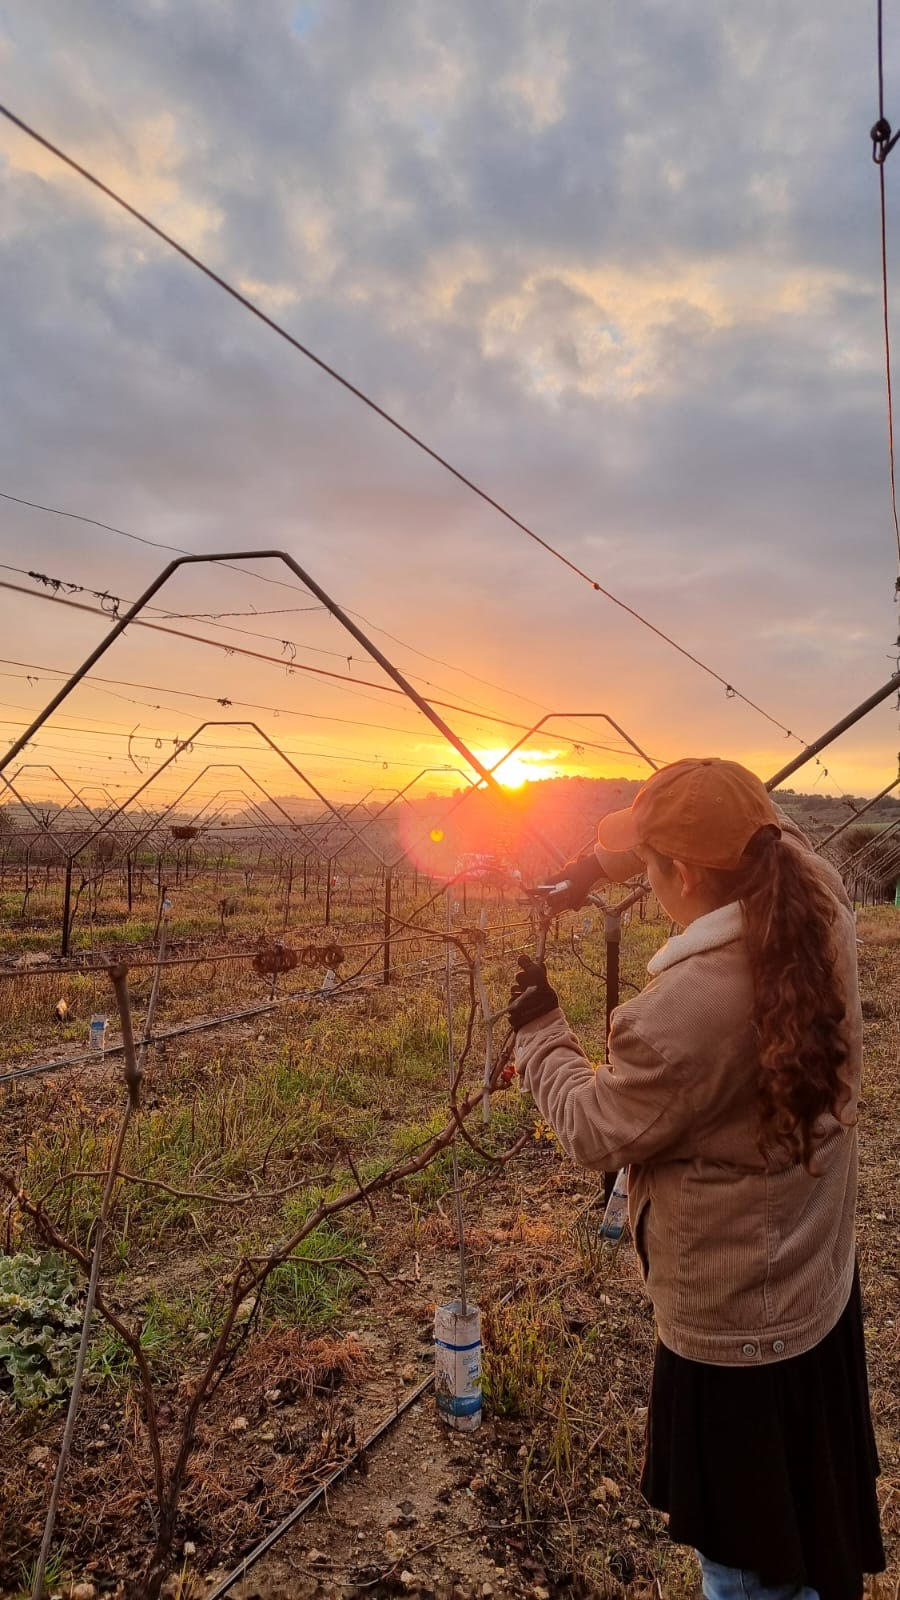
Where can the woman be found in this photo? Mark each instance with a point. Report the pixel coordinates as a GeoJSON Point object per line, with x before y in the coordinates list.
{"type": "Point", "coordinates": [730, 1093]}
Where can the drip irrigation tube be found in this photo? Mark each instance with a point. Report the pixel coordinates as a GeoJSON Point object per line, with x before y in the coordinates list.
{"type": "Point", "coordinates": [312, 1499]}
{"type": "Point", "coordinates": [205, 1024]}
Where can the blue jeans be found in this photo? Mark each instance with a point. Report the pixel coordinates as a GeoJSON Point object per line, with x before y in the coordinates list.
{"type": "Point", "coordinates": [735, 1583]}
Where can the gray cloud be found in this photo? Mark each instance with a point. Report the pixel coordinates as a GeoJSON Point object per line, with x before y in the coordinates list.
{"type": "Point", "coordinates": [620, 263]}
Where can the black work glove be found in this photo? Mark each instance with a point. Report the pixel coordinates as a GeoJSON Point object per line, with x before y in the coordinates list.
{"type": "Point", "coordinates": [570, 890]}
{"type": "Point", "coordinates": [530, 975]}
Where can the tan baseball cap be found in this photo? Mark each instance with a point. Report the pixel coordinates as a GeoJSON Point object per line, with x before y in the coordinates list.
{"type": "Point", "coordinates": [703, 810]}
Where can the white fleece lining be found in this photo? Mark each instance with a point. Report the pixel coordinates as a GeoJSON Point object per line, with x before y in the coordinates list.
{"type": "Point", "coordinates": [722, 926]}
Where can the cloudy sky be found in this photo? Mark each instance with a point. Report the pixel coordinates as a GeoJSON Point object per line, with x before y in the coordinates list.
{"type": "Point", "coordinates": [619, 262]}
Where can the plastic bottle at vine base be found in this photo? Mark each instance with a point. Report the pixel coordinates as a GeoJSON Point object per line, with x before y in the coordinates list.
{"type": "Point", "coordinates": [457, 1365]}
{"type": "Point", "coordinates": [97, 1033]}
{"type": "Point", "coordinates": [615, 1217]}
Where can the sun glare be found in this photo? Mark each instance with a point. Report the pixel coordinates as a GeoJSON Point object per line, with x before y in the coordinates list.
{"type": "Point", "coordinates": [525, 766]}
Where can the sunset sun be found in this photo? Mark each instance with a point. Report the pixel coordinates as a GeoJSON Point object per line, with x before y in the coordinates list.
{"type": "Point", "coordinates": [525, 766]}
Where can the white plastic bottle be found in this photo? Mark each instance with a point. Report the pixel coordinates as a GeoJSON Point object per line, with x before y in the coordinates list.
{"type": "Point", "coordinates": [457, 1365]}
{"type": "Point", "coordinates": [615, 1217]}
{"type": "Point", "coordinates": [97, 1034]}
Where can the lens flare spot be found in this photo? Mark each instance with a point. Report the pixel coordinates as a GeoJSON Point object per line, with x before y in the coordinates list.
{"type": "Point", "coordinates": [436, 835]}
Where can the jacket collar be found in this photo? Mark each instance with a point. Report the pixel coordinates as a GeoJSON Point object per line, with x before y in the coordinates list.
{"type": "Point", "coordinates": [719, 927]}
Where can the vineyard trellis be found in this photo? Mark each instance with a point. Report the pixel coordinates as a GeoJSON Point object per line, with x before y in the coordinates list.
{"type": "Point", "coordinates": [325, 838]}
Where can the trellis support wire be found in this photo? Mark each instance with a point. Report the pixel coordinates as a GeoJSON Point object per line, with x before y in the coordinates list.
{"type": "Point", "coordinates": [556, 716]}
{"type": "Point", "coordinates": [330, 605]}
{"type": "Point", "coordinates": [857, 814]}
{"type": "Point", "coordinates": [892, 685]}
{"type": "Point", "coordinates": [887, 689]}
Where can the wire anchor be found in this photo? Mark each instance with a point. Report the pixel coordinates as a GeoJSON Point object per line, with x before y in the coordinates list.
{"type": "Point", "coordinates": [883, 141]}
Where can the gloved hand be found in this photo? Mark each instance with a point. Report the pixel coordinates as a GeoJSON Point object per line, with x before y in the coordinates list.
{"type": "Point", "coordinates": [570, 890]}
{"type": "Point", "coordinates": [530, 975]}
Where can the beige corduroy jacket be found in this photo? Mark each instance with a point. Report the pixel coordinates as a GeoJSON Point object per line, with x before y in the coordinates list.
{"type": "Point", "coordinates": [745, 1261]}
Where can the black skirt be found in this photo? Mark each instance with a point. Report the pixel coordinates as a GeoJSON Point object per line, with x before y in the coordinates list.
{"type": "Point", "coordinates": [772, 1468]}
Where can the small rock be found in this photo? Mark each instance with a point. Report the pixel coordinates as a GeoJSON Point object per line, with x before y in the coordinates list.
{"type": "Point", "coordinates": [239, 1425]}
{"type": "Point", "coordinates": [316, 1555]}
{"type": "Point", "coordinates": [190, 1549]}
{"type": "Point", "coordinates": [272, 1395]}
{"type": "Point", "coordinates": [267, 1437]}
{"type": "Point", "coordinates": [37, 1455]}
{"type": "Point", "coordinates": [475, 1484]}
{"type": "Point", "coordinates": [540, 1593]}
{"type": "Point", "coordinates": [487, 1589]}
{"type": "Point", "coordinates": [83, 1591]}
{"type": "Point", "coordinates": [409, 1374]}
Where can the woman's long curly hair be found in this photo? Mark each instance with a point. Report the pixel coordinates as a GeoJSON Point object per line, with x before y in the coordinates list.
{"type": "Point", "coordinates": [798, 1007]}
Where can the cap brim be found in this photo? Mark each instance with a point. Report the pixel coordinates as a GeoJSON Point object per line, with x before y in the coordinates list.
{"type": "Point", "coordinates": [619, 831]}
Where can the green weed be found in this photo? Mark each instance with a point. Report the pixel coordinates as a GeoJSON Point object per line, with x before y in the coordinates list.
{"type": "Point", "coordinates": [40, 1324]}
{"type": "Point", "coordinates": [54, 1575]}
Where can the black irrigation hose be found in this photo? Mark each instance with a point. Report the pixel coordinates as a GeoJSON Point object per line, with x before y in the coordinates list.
{"type": "Point", "coordinates": [312, 1499]}
{"type": "Point", "coordinates": [116, 1049]}
{"type": "Point", "coordinates": [43, 1067]}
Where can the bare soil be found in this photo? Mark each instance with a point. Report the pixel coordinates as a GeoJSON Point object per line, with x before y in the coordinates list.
{"type": "Point", "coordinates": [542, 1501]}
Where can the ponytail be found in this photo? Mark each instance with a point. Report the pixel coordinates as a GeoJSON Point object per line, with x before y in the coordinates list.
{"type": "Point", "coordinates": [798, 1008]}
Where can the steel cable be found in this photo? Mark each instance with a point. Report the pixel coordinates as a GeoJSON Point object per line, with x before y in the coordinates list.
{"type": "Point", "coordinates": [386, 416]}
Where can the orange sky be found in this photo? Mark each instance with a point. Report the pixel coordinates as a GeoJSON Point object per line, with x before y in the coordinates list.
{"type": "Point", "coordinates": [349, 740]}
{"type": "Point", "coordinates": [671, 368]}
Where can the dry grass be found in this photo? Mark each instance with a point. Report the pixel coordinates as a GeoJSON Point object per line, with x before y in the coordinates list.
{"type": "Point", "coordinates": [271, 1104]}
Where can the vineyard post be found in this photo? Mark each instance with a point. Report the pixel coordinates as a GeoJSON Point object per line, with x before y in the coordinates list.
{"type": "Point", "coordinates": [612, 927]}
{"type": "Point", "coordinates": [486, 1017]}
{"type": "Point", "coordinates": [387, 926]}
{"type": "Point", "coordinates": [287, 898]}
{"type": "Point", "coordinates": [129, 871]}
{"type": "Point", "coordinates": [305, 876]}
{"type": "Point", "coordinates": [328, 866]}
{"type": "Point", "coordinates": [67, 909]}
